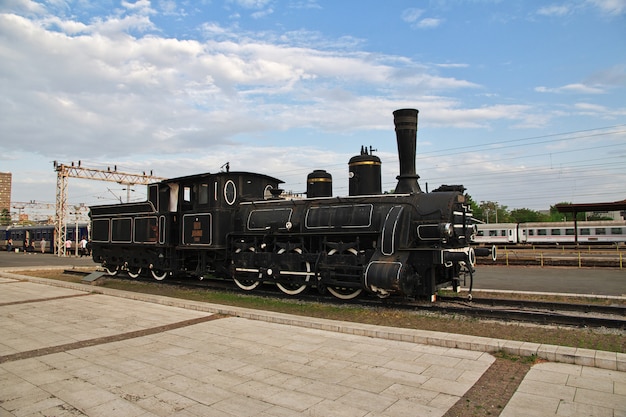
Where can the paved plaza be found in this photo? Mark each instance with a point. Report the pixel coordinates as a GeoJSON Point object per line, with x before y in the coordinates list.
{"type": "Point", "coordinates": [71, 350]}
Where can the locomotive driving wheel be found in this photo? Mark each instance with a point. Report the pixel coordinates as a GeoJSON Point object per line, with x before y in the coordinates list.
{"type": "Point", "coordinates": [344, 293]}
{"type": "Point", "coordinates": [158, 274]}
{"type": "Point", "coordinates": [294, 282]}
{"type": "Point", "coordinates": [245, 278]}
{"type": "Point", "coordinates": [133, 271]}
{"type": "Point", "coordinates": [111, 269]}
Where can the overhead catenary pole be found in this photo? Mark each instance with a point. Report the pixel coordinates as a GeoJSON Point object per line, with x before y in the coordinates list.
{"type": "Point", "coordinates": [77, 171]}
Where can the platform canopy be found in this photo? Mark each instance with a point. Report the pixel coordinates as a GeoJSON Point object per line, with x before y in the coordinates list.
{"type": "Point", "coordinates": [584, 207]}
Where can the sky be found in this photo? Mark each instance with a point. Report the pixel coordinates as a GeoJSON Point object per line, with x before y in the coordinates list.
{"type": "Point", "coordinates": [522, 102]}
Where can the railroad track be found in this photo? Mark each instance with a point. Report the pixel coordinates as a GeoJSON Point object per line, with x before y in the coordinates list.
{"type": "Point", "coordinates": [526, 311]}
{"type": "Point", "coordinates": [576, 256]}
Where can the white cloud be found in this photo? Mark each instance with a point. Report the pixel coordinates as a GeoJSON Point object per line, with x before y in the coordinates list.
{"type": "Point", "coordinates": [610, 7]}
{"type": "Point", "coordinates": [571, 88]}
{"type": "Point", "coordinates": [429, 23]}
{"type": "Point", "coordinates": [251, 4]}
{"type": "Point", "coordinates": [555, 10]}
{"type": "Point", "coordinates": [411, 15]}
{"type": "Point", "coordinates": [95, 83]}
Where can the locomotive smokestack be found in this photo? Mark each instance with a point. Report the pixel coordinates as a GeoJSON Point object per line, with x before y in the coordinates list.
{"type": "Point", "coordinates": [406, 135]}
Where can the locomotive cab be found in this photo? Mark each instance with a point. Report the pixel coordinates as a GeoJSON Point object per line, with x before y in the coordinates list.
{"type": "Point", "coordinates": [206, 204]}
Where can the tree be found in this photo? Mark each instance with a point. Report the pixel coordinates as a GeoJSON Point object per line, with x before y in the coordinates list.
{"type": "Point", "coordinates": [525, 215]}
{"type": "Point", "coordinates": [5, 218]}
{"type": "Point", "coordinates": [492, 212]}
{"type": "Point", "coordinates": [556, 216]}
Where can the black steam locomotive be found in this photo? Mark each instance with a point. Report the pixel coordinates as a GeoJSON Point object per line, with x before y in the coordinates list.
{"type": "Point", "coordinates": [236, 225]}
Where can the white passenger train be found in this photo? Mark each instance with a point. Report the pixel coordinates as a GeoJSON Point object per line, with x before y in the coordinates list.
{"type": "Point", "coordinates": [605, 231]}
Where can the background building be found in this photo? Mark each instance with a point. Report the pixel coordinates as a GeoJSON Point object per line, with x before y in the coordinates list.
{"type": "Point", "coordinates": [5, 191]}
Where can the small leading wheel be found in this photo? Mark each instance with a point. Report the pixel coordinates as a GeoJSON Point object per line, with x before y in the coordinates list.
{"type": "Point", "coordinates": [247, 279]}
{"type": "Point", "coordinates": [134, 272]}
{"type": "Point", "coordinates": [158, 274]}
{"type": "Point", "coordinates": [111, 269]}
{"type": "Point", "coordinates": [344, 293]}
{"type": "Point", "coordinates": [294, 282]}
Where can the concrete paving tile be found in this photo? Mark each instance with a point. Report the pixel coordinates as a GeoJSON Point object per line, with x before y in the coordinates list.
{"type": "Point", "coordinates": [115, 407]}
{"type": "Point", "coordinates": [105, 377]}
{"type": "Point", "coordinates": [45, 376]}
{"type": "Point", "coordinates": [63, 361]}
{"type": "Point", "coordinates": [277, 411]}
{"type": "Point", "coordinates": [443, 372]}
{"type": "Point", "coordinates": [207, 394]}
{"type": "Point", "coordinates": [80, 394]}
{"type": "Point", "coordinates": [443, 401]}
{"type": "Point", "coordinates": [472, 356]}
{"type": "Point", "coordinates": [138, 390]}
{"type": "Point", "coordinates": [523, 404]}
{"type": "Point", "coordinates": [603, 373]}
{"type": "Point", "coordinates": [176, 383]}
{"type": "Point", "coordinates": [373, 403]}
{"type": "Point", "coordinates": [439, 359]}
{"type": "Point", "coordinates": [39, 406]}
{"type": "Point", "coordinates": [446, 386]}
{"type": "Point", "coordinates": [564, 368]}
{"type": "Point", "coordinates": [294, 400]}
{"type": "Point", "coordinates": [548, 390]}
{"type": "Point", "coordinates": [546, 376]}
{"type": "Point", "coordinates": [258, 389]}
{"type": "Point", "coordinates": [241, 406]}
{"type": "Point", "coordinates": [62, 410]}
{"type": "Point", "coordinates": [413, 366]}
{"type": "Point", "coordinates": [332, 408]}
{"type": "Point", "coordinates": [470, 377]}
{"type": "Point", "coordinates": [594, 384]}
{"type": "Point", "coordinates": [410, 393]}
{"type": "Point", "coordinates": [154, 374]}
{"type": "Point", "coordinates": [571, 409]}
{"type": "Point", "coordinates": [407, 408]}
{"type": "Point", "coordinates": [164, 404]}
{"type": "Point", "coordinates": [13, 387]}
{"type": "Point", "coordinates": [364, 382]}
{"type": "Point", "coordinates": [25, 399]}
{"type": "Point", "coordinates": [322, 389]}
{"type": "Point", "coordinates": [406, 378]}
{"type": "Point", "coordinates": [475, 365]}
{"type": "Point", "coordinates": [601, 399]}
{"type": "Point", "coordinates": [371, 359]}
{"type": "Point", "coordinates": [619, 388]}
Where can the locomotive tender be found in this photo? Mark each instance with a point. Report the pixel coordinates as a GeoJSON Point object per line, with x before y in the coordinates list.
{"type": "Point", "coordinates": [236, 225]}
